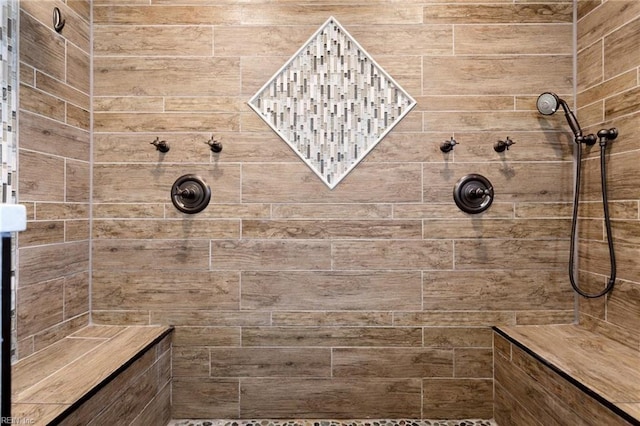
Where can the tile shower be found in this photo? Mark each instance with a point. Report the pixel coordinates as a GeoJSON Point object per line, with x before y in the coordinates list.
{"type": "Point", "coordinates": [373, 299]}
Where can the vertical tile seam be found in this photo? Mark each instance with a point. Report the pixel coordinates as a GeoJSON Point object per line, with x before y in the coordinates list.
{"type": "Point", "coordinates": [91, 165]}
{"type": "Point", "coordinates": [574, 39]}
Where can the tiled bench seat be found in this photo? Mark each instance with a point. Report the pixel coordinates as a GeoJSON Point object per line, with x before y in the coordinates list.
{"type": "Point", "coordinates": [97, 376]}
{"type": "Point", "coordinates": [564, 375]}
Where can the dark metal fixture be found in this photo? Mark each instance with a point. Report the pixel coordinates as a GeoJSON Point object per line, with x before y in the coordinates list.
{"type": "Point", "coordinates": [190, 194]}
{"type": "Point", "coordinates": [447, 146]}
{"type": "Point", "coordinates": [606, 135]}
{"type": "Point", "coordinates": [473, 193]}
{"type": "Point", "coordinates": [548, 104]}
{"type": "Point", "coordinates": [58, 22]}
{"type": "Point", "coordinates": [161, 146]}
{"type": "Point", "coordinates": [500, 146]}
{"type": "Point", "coordinates": [215, 145]}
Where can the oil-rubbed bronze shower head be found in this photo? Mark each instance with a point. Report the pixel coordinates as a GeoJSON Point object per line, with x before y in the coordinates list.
{"type": "Point", "coordinates": [548, 103]}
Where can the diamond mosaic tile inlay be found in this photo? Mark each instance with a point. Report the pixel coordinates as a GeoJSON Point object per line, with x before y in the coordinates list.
{"type": "Point", "coordinates": [331, 102]}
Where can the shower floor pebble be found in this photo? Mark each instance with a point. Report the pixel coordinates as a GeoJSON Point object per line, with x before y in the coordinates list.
{"type": "Point", "coordinates": [385, 422]}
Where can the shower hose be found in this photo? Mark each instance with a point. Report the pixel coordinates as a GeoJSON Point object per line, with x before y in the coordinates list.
{"type": "Point", "coordinates": [607, 221]}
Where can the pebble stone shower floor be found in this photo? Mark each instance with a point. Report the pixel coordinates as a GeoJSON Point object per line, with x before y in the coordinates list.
{"type": "Point", "coordinates": [385, 422]}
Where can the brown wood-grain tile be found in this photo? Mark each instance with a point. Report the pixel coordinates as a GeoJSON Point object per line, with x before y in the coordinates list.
{"type": "Point", "coordinates": [548, 39]}
{"type": "Point", "coordinates": [590, 66]}
{"type": "Point", "coordinates": [69, 383]}
{"type": "Point", "coordinates": [392, 254]}
{"type": "Point", "coordinates": [148, 40]}
{"type": "Point", "coordinates": [332, 229]}
{"type": "Point", "coordinates": [127, 103]}
{"type": "Point", "coordinates": [38, 414]}
{"type": "Point", "coordinates": [128, 210]}
{"type": "Point", "coordinates": [453, 75]}
{"type": "Point", "coordinates": [43, 177]}
{"type": "Point", "coordinates": [120, 317]}
{"type": "Point", "coordinates": [156, 289]}
{"type": "Point", "coordinates": [150, 229]}
{"type": "Point", "coordinates": [189, 317]}
{"type": "Point", "coordinates": [508, 410]}
{"type": "Point", "coordinates": [42, 103]}
{"type": "Point", "coordinates": [332, 318]}
{"type": "Point", "coordinates": [158, 411]}
{"type": "Point", "coordinates": [332, 211]}
{"type": "Point", "coordinates": [611, 15]}
{"type": "Point", "coordinates": [379, 290]}
{"type": "Point", "coordinates": [454, 318]}
{"type": "Point", "coordinates": [256, 255]}
{"type": "Point", "coordinates": [39, 49]}
{"type": "Point", "coordinates": [42, 364]}
{"type": "Point", "coordinates": [620, 53]}
{"type": "Point", "coordinates": [517, 254]}
{"type": "Point", "coordinates": [113, 181]}
{"type": "Point", "coordinates": [194, 335]}
{"type": "Point", "coordinates": [493, 290]}
{"type": "Point", "coordinates": [190, 361]}
{"type": "Point", "coordinates": [392, 362]}
{"type": "Point", "coordinates": [331, 336]}
{"type": "Point", "coordinates": [119, 14]}
{"type": "Point", "coordinates": [498, 13]}
{"type": "Point", "coordinates": [77, 64]}
{"type": "Point", "coordinates": [330, 398]}
{"type": "Point", "coordinates": [586, 349]}
{"type": "Point", "coordinates": [294, 182]}
{"type": "Point", "coordinates": [44, 135]}
{"type": "Point", "coordinates": [445, 398]}
{"type": "Point", "coordinates": [455, 337]}
{"type": "Point", "coordinates": [473, 362]}
{"type": "Point", "coordinates": [59, 331]}
{"type": "Point", "coordinates": [97, 332]}
{"type": "Point", "coordinates": [183, 255]}
{"type": "Point", "coordinates": [312, 14]}
{"type": "Point", "coordinates": [207, 398]}
{"type": "Point", "coordinates": [39, 306]}
{"type": "Point", "coordinates": [271, 362]}
{"type": "Point", "coordinates": [166, 76]}
{"type": "Point", "coordinates": [42, 232]}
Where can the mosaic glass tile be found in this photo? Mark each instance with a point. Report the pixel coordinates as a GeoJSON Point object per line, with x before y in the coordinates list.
{"type": "Point", "coordinates": [332, 103]}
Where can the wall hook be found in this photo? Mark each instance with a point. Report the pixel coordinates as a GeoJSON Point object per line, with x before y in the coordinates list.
{"type": "Point", "coordinates": [58, 22]}
{"type": "Point", "coordinates": [500, 146]}
{"type": "Point", "coordinates": [215, 145]}
{"type": "Point", "coordinates": [447, 146]}
{"type": "Point", "coordinates": [161, 146]}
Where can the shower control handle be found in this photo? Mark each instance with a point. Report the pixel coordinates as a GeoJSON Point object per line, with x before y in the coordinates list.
{"type": "Point", "coordinates": [479, 192]}
{"type": "Point", "coordinates": [215, 145]}
{"type": "Point", "coordinates": [161, 146]}
{"type": "Point", "coordinates": [447, 146]}
{"type": "Point", "coordinates": [500, 146]}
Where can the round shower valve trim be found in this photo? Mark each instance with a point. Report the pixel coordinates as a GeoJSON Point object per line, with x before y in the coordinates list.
{"type": "Point", "coordinates": [473, 193]}
{"type": "Point", "coordinates": [190, 194]}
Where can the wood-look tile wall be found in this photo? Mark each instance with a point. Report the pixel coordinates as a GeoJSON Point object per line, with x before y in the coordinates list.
{"type": "Point", "coordinates": [54, 173]}
{"type": "Point", "coordinates": [292, 300]}
{"type": "Point", "coordinates": [608, 95]}
{"type": "Point", "coordinates": [530, 393]}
